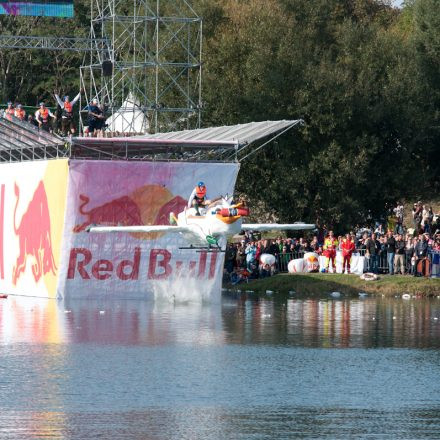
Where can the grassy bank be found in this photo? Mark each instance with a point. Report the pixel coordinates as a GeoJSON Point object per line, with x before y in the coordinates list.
{"type": "Point", "coordinates": [313, 283]}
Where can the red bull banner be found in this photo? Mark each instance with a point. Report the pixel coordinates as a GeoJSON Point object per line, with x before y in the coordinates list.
{"type": "Point", "coordinates": [2, 216]}
{"type": "Point", "coordinates": [137, 265]}
{"type": "Point", "coordinates": [32, 207]}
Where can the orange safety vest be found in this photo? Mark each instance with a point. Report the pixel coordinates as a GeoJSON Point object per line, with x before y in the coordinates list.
{"type": "Point", "coordinates": [200, 192]}
{"type": "Point", "coordinates": [9, 113]}
{"type": "Point", "coordinates": [68, 108]}
{"type": "Point", "coordinates": [20, 113]}
{"type": "Point", "coordinates": [44, 114]}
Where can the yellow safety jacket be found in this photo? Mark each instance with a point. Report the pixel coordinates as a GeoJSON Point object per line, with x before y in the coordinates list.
{"type": "Point", "coordinates": [330, 244]}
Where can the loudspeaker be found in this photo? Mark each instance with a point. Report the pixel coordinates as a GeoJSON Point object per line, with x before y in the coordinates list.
{"type": "Point", "coordinates": [107, 68]}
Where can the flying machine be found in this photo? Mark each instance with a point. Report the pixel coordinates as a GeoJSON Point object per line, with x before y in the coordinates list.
{"type": "Point", "coordinates": [218, 222]}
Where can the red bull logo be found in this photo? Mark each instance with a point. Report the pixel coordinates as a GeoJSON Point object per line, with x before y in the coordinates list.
{"type": "Point", "coordinates": [2, 218]}
{"type": "Point", "coordinates": [34, 236]}
{"type": "Point", "coordinates": [121, 211]}
{"type": "Point", "coordinates": [311, 261]}
{"type": "Point", "coordinates": [147, 205]}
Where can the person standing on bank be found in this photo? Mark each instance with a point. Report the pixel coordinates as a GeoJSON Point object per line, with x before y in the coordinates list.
{"type": "Point", "coordinates": [348, 248]}
{"type": "Point", "coordinates": [372, 253]}
{"type": "Point", "coordinates": [390, 245]}
{"type": "Point", "coordinates": [399, 257]}
{"type": "Point", "coordinates": [421, 252]}
{"type": "Point", "coordinates": [330, 246]}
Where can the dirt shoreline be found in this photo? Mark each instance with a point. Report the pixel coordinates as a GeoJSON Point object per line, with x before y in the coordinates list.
{"type": "Point", "coordinates": [317, 283]}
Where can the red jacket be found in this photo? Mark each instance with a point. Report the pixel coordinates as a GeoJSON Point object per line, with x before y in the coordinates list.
{"type": "Point", "coordinates": [347, 247]}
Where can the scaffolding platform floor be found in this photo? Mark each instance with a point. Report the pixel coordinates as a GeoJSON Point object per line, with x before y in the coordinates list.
{"type": "Point", "coordinates": [22, 141]}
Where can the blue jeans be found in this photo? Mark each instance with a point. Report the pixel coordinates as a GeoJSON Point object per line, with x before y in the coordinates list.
{"type": "Point", "coordinates": [390, 259]}
{"type": "Point", "coordinates": [373, 263]}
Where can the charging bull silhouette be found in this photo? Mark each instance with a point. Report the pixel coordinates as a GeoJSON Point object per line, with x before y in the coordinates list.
{"type": "Point", "coordinates": [175, 205]}
{"type": "Point", "coordinates": [122, 211]}
{"type": "Point", "coordinates": [34, 236]}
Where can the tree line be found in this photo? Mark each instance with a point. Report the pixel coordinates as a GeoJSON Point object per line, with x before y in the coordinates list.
{"type": "Point", "coordinates": [364, 77]}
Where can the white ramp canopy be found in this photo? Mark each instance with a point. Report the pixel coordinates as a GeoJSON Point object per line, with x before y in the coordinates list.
{"type": "Point", "coordinates": [226, 143]}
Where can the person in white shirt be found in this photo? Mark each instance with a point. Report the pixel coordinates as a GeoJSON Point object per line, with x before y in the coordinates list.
{"type": "Point", "coordinates": [42, 116]}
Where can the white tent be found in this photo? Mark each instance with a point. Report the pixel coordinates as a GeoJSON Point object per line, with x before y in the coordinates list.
{"type": "Point", "coordinates": [129, 118]}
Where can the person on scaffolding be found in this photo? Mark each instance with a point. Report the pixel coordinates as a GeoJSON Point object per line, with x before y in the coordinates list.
{"type": "Point", "coordinates": [67, 113]}
{"type": "Point", "coordinates": [42, 116]}
{"type": "Point", "coordinates": [95, 119]}
{"type": "Point", "coordinates": [20, 113]}
{"type": "Point", "coordinates": [9, 111]}
{"type": "Point", "coordinates": [198, 199]}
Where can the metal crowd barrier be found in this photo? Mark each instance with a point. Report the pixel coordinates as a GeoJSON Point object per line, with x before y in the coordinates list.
{"type": "Point", "coordinates": [282, 260]}
{"type": "Point", "coordinates": [409, 267]}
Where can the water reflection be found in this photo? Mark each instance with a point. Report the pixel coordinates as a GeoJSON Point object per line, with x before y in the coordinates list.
{"type": "Point", "coordinates": [31, 320]}
{"type": "Point", "coordinates": [40, 321]}
{"type": "Point", "coordinates": [248, 368]}
{"type": "Point", "coordinates": [372, 322]}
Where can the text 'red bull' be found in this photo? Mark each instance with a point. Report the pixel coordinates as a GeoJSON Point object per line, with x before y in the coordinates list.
{"type": "Point", "coordinates": [160, 266]}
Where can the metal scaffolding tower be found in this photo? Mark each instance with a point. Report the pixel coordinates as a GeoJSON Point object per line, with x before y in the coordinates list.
{"type": "Point", "coordinates": [152, 66]}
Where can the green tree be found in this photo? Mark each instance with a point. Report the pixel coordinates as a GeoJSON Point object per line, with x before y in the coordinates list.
{"type": "Point", "coordinates": [347, 70]}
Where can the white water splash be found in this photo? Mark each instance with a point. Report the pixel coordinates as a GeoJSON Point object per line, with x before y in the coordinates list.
{"type": "Point", "coordinates": [188, 289]}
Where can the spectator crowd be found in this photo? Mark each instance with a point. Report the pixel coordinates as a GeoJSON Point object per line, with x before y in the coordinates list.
{"type": "Point", "coordinates": [392, 249]}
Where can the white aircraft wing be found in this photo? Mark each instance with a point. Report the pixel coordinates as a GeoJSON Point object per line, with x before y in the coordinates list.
{"type": "Point", "coordinates": [141, 228]}
{"type": "Point", "coordinates": [276, 226]}
{"type": "Point", "coordinates": [187, 231]}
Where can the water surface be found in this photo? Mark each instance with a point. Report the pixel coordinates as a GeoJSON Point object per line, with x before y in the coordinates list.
{"type": "Point", "coordinates": [245, 369]}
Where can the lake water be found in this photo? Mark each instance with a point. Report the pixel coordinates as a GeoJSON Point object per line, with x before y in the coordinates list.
{"type": "Point", "coordinates": [246, 369]}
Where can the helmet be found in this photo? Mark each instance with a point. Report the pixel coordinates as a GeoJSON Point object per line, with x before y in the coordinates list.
{"type": "Point", "coordinates": [9, 103]}
{"type": "Point", "coordinates": [200, 184]}
{"type": "Point", "coordinates": [41, 104]}
{"type": "Point", "coordinates": [19, 106]}
{"type": "Point", "coordinates": [66, 98]}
